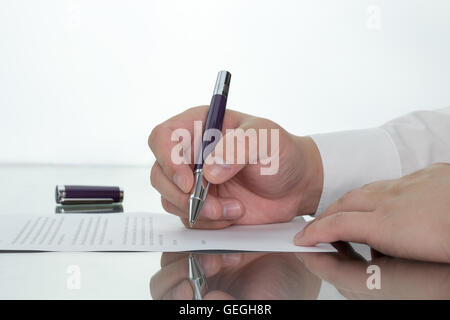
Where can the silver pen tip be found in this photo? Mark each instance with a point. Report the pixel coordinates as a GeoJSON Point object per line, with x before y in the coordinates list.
{"type": "Point", "coordinates": [195, 206]}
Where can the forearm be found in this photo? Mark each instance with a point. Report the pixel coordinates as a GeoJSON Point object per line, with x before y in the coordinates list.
{"type": "Point", "coordinates": [352, 159]}
{"type": "Point", "coordinates": [421, 138]}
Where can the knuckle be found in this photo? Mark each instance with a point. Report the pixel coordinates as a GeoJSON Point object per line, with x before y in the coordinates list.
{"type": "Point", "coordinates": [369, 186]}
{"type": "Point", "coordinates": [377, 185]}
{"type": "Point", "coordinates": [440, 165]}
{"type": "Point", "coordinates": [265, 123]}
{"type": "Point", "coordinates": [397, 189]}
{"type": "Point", "coordinates": [337, 220]}
{"type": "Point", "coordinates": [349, 197]}
{"type": "Point", "coordinates": [154, 175]}
{"type": "Point", "coordinates": [154, 285]}
{"type": "Point", "coordinates": [355, 194]}
{"type": "Point", "coordinates": [154, 135]}
{"type": "Point", "coordinates": [360, 195]}
{"type": "Point", "coordinates": [341, 202]}
{"type": "Point", "coordinates": [165, 204]}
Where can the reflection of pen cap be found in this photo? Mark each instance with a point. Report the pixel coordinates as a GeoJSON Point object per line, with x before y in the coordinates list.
{"type": "Point", "coordinates": [87, 194]}
{"type": "Point", "coordinates": [223, 83]}
{"type": "Point", "coordinates": [90, 208]}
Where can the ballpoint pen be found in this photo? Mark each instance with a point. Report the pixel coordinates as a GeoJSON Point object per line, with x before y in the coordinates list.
{"type": "Point", "coordinates": [214, 120]}
{"type": "Point", "coordinates": [196, 277]}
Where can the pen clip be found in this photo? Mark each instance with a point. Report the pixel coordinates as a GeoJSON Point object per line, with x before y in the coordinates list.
{"type": "Point", "coordinates": [204, 191]}
{"type": "Point", "coordinates": [201, 191]}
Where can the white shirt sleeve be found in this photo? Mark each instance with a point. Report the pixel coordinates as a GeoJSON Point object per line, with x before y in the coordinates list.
{"type": "Point", "coordinates": [352, 159]}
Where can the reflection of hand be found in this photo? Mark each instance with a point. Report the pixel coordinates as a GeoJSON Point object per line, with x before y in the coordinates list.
{"type": "Point", "coordinates": [239, 194]}
{"type": "Point", "coordinates": [237, 275]}
{"type": "Point", "coordinates": [400, 279]}
{"type": "Point", "coordinates": [407, 217]}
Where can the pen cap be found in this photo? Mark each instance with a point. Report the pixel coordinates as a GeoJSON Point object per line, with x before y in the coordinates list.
{"type": "Point", "coordinates": [65, 194]}
{"type": "Point", "coordinates": [222, 83]}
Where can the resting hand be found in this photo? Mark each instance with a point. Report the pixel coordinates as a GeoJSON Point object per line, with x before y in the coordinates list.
{"type": "Point", "coordinates": [407, 217]}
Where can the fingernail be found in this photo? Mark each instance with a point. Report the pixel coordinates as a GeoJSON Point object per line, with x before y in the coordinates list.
{"type": "Point", "coordinates": [298, 237]}
{"type": "Point", "coordinates": [232, 210]}
{"type": "Point", "coordinates": [217, 169]}
{"type": "Point", "coordinates": [179, 180]}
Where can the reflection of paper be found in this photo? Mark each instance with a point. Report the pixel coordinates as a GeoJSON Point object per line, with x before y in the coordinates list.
{"type": "Point", "coordinates": [141, 232]}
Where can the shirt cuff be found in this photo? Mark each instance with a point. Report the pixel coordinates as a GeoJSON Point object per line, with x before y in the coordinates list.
{"type": "Point", "coordinates": [352, 159]}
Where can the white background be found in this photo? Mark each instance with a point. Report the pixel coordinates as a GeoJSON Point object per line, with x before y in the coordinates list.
{"type": "Point", "coordinates": [86, 81]}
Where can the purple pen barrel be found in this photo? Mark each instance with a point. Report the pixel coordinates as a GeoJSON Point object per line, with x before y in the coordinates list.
{"type": "Point", "coordinates": [88, 194]}
{"type": "Point", "coordinates": [213, 122]}
{"type": "Point", "coordinates": [214, 118]}
{"type": "Point", "coordinates": [211, 136]}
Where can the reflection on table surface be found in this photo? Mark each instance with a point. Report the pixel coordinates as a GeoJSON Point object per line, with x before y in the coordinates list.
{"type": "Point", "coordinates": [299, 276]}
{"type": "Point", "coordinates": [126, 275]}
{"type": "Point", "coordinates": [220, 275]}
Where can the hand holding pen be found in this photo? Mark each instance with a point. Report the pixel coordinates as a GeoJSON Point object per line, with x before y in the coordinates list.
{"type": "Point", "coordinates": [214, 121]}
{"type": "Point", "coordinates": [238, 192]}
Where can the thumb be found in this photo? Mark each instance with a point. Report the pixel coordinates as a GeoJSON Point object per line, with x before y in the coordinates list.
{"type": "Point", "coordinates": [237, 148]}
{"type": "Point", "coordinates": [342, 226]}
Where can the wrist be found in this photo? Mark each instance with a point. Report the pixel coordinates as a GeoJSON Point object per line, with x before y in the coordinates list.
{"type": "Point", "coordinates": [312, 180]}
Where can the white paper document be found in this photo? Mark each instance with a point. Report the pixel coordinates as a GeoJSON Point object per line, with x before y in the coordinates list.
{"type": "Point", "coordinates": [142, 232]}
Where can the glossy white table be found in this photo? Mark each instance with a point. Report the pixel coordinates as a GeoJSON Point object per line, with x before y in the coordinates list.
{"type": "Point", "coordinates": [97, 275]}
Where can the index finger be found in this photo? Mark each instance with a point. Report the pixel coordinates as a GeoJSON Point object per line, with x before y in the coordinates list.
{"type": "Point", "coordinates": [172, 143]}
{"type": "Point", "coordinates": [165, 144]}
